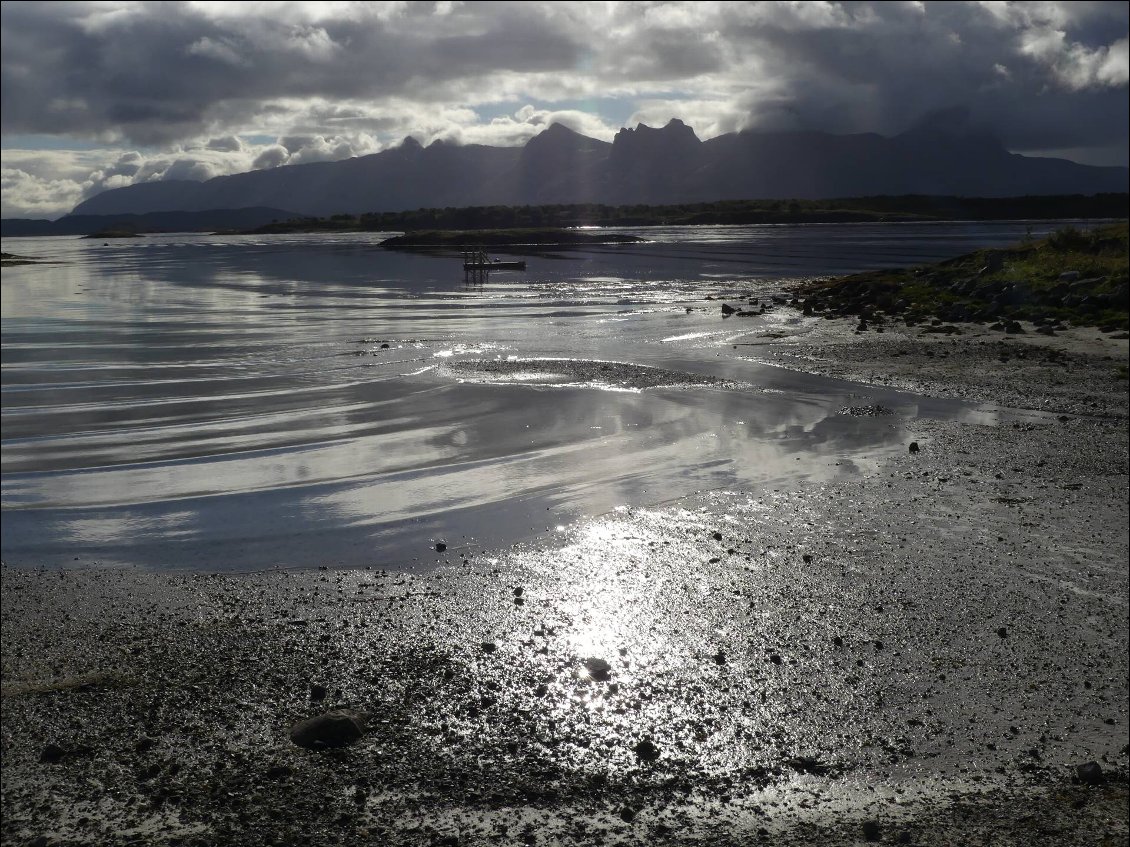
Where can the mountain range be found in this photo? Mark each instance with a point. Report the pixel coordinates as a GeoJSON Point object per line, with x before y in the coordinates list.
{"type": "Point", "coordinates": [942, 155]}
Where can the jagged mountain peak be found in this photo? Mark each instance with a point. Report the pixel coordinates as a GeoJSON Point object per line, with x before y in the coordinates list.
{"type": "Point", "coordinates": [945, 153]}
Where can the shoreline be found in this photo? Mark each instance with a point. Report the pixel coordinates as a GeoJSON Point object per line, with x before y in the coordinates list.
{"type": "Point", "coordinates": [923, 652]}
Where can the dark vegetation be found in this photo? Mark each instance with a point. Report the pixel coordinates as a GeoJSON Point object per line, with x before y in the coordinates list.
{"type": "Point", "coordinates": [477, 238]}
{"type": "Point", "coordinates": [845, 210]}
{"type": "Point", "coordinates": [205, 221]}
{"type": "Point", "coordinates": [1071, 277]}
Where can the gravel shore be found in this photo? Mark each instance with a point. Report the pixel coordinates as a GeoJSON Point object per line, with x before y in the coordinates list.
{"type": "Point", "coordinates": [931, 650]}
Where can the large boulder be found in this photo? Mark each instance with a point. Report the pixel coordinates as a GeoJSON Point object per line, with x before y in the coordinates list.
{"type": "Point", "coordinates": [338, 728]}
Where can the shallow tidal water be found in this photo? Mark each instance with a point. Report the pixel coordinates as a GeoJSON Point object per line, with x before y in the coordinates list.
{"type": "Point", "coordinates": [239, 403]}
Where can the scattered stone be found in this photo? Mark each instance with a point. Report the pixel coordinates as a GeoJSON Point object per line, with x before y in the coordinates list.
{"type": "Point", "coordinates": [338, 728]}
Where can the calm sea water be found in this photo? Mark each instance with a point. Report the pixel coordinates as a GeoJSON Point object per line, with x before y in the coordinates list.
{"type": "Point", "coordinates": [234, 403]}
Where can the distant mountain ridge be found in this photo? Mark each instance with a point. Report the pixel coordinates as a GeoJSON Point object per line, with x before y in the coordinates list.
{"type": "Point", "coordinates": [645, 165]}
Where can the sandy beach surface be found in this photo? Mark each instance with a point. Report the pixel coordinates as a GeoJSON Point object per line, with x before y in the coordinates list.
{"type": "Point", "coordinates": [929, 651]}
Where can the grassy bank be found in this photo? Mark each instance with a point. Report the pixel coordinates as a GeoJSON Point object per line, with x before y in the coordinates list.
{"type": "Point", "coordinates": [1071, 277]}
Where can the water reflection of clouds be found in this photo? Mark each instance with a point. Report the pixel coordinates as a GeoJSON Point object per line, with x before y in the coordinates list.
{"type": "Point", "coordinates": [225, 379]}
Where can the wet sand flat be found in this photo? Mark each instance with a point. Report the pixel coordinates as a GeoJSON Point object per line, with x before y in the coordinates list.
{"type": "Point", "coordinates": [920, 653]}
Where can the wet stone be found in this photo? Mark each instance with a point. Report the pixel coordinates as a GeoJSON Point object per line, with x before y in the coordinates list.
{"type": "Point", "coordinates": [871, 830]}
{"type": "Point", "coordinates": [52, 754]}
{"type": "Point", "coordinates": [598, 669]}
{"type": "Point", "coordinates": [646, 751]}
{"type": "Point", "coordinates": [338, 728]}
{"type": "Point", "coordinates": [1090, 773]}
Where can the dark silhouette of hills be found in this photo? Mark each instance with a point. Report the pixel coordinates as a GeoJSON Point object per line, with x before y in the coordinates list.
{"type": "Point", "coordinates": [942, 155]}
{"type": "Point", "coordinates": [209, 219]}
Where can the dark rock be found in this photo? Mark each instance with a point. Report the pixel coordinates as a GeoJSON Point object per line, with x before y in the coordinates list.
{"type": "Point", "coordinates": [318, 693]}
{"type": "Point", "coordinates": [279, 771]}
{"type": "Point", "coordinates": [809, 765]}
{"type": "Point", "coordinates": [913, 446]}
{"type": "Point", "coordinates": [598, 669]}
{"type": "Point", "coordinates": [52, 754]}
{"type": "Point", "coordinates": [871, 830]}
{"type": "Point", "coordinates": [440, 546]}
{"type": "Point", "coordinates": [1090, 773]}
{"type": "Point", "coordinates": [727, 310]}
{"type": "Point", "coordinates": [720, 658]}
{"type": "Point", "coordinates": [338, 728]}
{"type": "Point", "coordinates": [717, 536]}
{"type": "Point", "coordinates": [775, 658]}
{"type": "Point", "coordinates": [1002, 632]}
{"type": "Point", "coordinates": [646, 751]}
{"type": "Point", "coordinates": [627, 814]}
{"type": "Point", "coordinates": [488, 646]}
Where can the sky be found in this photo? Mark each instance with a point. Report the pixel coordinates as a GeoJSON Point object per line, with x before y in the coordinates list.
{"type": "Point", "coordinates": [97, 95]}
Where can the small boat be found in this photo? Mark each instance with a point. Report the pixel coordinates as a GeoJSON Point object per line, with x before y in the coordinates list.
{"type": "Point", "coordinates": [479, 261]}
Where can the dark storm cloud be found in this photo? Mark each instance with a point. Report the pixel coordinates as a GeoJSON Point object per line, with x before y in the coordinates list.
{"type": "Point", "coordinates": [153, 73]}
{"type": "Point", "coordinates": [156, 72]}
{"type": "Point", "coordinates": [205, 89]}
{"type": "Point", "coordinates": [1037, 76]}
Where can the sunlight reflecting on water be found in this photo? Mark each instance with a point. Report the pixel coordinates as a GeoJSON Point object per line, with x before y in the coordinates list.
{"type": "Point", "coordinates": [301, 398]}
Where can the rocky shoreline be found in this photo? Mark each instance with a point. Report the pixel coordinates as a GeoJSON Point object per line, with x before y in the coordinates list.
{"type": "Point", "coordinates": [931, 650]}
